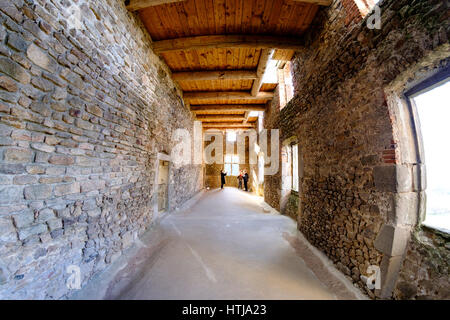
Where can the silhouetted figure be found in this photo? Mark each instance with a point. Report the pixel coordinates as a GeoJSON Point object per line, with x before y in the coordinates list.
{"type": "Point", "coordinates": [222, 178]}
{"type": "Point", "coordinates": [245, 180]}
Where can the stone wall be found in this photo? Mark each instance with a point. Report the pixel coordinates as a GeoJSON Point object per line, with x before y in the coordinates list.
{"type": "Point", "coordinates": [352, 173]}
{"type": "Point", "coordinates": [272, 183]}
{"type": "Point", "coordinates": [85, 107]}
{"type": "Point", "coordinates": [425, 271]}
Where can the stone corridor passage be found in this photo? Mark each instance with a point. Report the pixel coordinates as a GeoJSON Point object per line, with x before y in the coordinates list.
{"type": "Point", "coordinates": [118, 116]}
{"type": "Point", "coordinates": [225, 246]}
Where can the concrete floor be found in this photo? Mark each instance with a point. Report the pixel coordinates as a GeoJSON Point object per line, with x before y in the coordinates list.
{"type": "Point", "coordinates": [225, 246]}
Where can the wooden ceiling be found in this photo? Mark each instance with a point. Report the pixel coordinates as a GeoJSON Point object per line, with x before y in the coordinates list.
{"type": "Point", "coordinates": [218, 50]}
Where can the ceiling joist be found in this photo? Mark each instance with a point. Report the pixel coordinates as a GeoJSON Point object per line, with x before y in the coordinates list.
{"type": "Point", "coordinates": [318, 2]}
{"type": "Point", "coordinates": [220, 118]}
{"type": "Point", "coordinates": [264, 59]}
{"type": "Point", "coordinates": [215, 75]}
{"type": "Point", "coordinates": [228, 41]}
{"type": "Point", "coordinates": [226, 95]}
{"type": "Point", "coordinates": [228, 107]}
{"type": "Point", "coordinates": [228, 125]}
{"type": "Point", "coordinates": [135, 5]}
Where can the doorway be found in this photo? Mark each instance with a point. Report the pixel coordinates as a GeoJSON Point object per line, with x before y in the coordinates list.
{"type": "Point", "coordinates": [163, 184]}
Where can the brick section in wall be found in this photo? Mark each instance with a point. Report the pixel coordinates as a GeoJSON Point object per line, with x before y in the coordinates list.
{"type": "Point", "coordinates": [85, 106]}
{"type": "Point", "coordinates": [356, 10]}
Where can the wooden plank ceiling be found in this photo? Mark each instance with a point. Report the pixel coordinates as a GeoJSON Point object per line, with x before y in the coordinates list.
{"type": "Point", "coordinates": [218, 50]}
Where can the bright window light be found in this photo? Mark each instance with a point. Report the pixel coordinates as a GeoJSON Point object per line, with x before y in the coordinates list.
{"type": "Point", "coordinates": [232, 164]}
{"type": "Point", "coordinates": [253, 114]}
{"type": "Point", "coordinates": [271, 73]}
{"type": "Point", "coordinates": [231, 136]}
{"type": "Point", "coordinates": [295, 167]}
{"type": "Point", "coordinates": [434, 116]}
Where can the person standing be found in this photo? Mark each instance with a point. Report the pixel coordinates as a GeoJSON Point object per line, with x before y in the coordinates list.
{"type": "Point", "coordinates": [245, 180]}
{"type": "Point", "coordinates": [222, 178]}
{"type": "Point", "coordinates": [240, 178]}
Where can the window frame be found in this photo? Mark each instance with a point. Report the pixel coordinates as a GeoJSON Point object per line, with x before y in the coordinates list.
{"type": "Point", "coordinates": [234, 162]}
{"type": "Point", "coordinates": [422, 87]}
{"type": "Point", "coordinates": [292, 169]}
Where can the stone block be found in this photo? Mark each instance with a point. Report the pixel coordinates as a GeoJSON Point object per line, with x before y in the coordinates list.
{"type": "Point", "coordinates": [6, 141]}
{"type": "Point", "coordinates": [35, 169]}
{"type": "Point", "coordinates": [24, 179]}
{"type": "Point", "coordinates": [392, 241]}
{"type": "Point", "coordinates": [12, 168]}
{"type": "Point", "coordinates": [41, 58]}
{"type": "Point", "coordinates": [8, 84]}
{"type": "Point", "coordinates": [84, 124]}
{"type": "Point", "coordinates": [54, 224]}
{"type": "Point", "coordinates": [5, 130]}
{"type": "Point", "coordinates": [10, 194]}
{"type": "Point", "coordinates": [8, 232]}
{"type": "Point", "coordinates": [56, 233]}
{"type": "Point", "coordinates": [45, 215]}
{"type": "Point", "coordinates": [61, 160]}
{"type": "Point", "coordinates": [14, 70]}
{"type": "Point", "coordinates": [23, 219]}
{"type": "Point", "coordinates": [87, 162]}
{"type": "Point", "coordinates": [395, 178]}
{"type": "Point", "coordinates": [389, 268]}
{"type": "Point", "coordinates": [95, 110]}
{"type": "Point", "coordinates": [38, 192]}
{"type": "Point", "coordinates": [406, 209]}
{"type": "Point", "coordinates": [65, 189]}
{"type": "Point", "coordinates": [16, 42]}
{"type": "Point", "coordinates": [18, 155]}
{"type": "Point", "coordinates": [43, 147]}
{"type": "Point", "coordinates": [90, 185]}
{"type": "Point", "coordinates": [32, 230]}
{"type": "Point", "coordinates": [419, 177]}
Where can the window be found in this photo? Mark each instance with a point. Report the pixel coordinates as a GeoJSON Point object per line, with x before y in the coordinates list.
{"type": "Point", "coordinates": [285, 85]}
{"type": "Point", "coordinates": [295, 167]}
{"type": "Point", "coordinates": [270, 75]}
{"type": "Point", "coordinates": [231, 136]}
{"type": "Point", "coordinates": [433, 111]}
{"type": "Point", "coordinates": [232, 165]}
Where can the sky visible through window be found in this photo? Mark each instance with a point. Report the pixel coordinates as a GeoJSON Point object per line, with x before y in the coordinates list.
{"type": "Point", "coordinates": [434, 115]}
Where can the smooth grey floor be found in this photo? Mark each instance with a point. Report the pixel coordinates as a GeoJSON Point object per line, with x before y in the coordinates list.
{"type": "Point", "coordinates": [224, 247]}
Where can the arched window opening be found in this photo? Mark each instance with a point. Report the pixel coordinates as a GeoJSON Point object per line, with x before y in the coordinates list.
{"type": "Point", "coordinates": [431, 103]}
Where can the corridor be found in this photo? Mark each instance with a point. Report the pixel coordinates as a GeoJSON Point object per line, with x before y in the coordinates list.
{"type": "Point", "coordinates": [225, 246]}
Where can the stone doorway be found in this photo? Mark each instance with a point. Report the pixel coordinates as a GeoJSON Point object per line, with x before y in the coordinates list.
{"type": "Point", "coordinates": [163, 184]}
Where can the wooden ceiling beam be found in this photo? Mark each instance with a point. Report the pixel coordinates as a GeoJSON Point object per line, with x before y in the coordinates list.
{"type": "Point", "coordinates": [228, 107]}
{"type": "Point", "coordinates": [226, 95]}
{"type": "Point", "coordinates": [214, 75]}
{"type": "Point", "coordinates": [318, 2]}
{"type": "Point", "coordinates": [227, 128]}
{"type": "Point", "coordinates": [228, 125]}
{"type": "Point", "coordinates": [135, 5]}
{"type": "Point", "coordinates": [228, 41]}
{"type": "Point", "coordinates": [264, 59]}
{"type": "Point", "coordinates": [220, 118]}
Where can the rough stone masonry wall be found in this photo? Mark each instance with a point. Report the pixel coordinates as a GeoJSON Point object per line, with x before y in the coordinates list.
{"type": "Point", "coordinates": [84, 110]}
{"type": "Point", "coordinates": [340, 116]}
{"type": "Point", "coordinates": [272, 183]}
